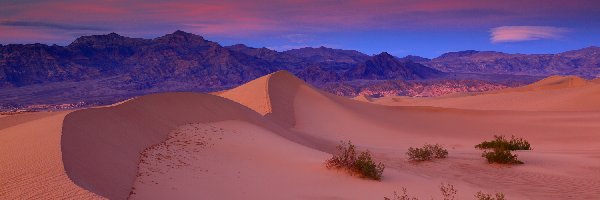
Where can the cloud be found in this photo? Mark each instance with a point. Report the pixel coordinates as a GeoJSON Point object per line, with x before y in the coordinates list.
{"type": "Point", "coordinates": [38, 24]}
{"type": "Point", "coordinates": [525, 33]}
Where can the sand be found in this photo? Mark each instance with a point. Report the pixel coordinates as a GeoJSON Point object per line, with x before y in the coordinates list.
{"type": "Point", "coordinates": [551, 94]}
{"type": "Point", "coordinates": [268, 139]}
{"type": "Point", "coordinates": [31, 159]}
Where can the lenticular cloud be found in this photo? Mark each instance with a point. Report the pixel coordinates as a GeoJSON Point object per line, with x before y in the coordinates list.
{"type": "Point", "coordinates": [525, 33]}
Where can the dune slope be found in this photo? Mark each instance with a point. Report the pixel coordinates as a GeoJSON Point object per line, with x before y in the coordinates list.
{"type": "Point", "coordinates": [30, 156]}
{"type": "Point", "coordinates": [101, 147]}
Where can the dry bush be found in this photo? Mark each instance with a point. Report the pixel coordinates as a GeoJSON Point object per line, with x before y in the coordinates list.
{"type": "Point", "coordinates": [437, 150]}
{"type": "Point", "coordinates": [427, 152]}
{"type": "Point", "coordinates": [448, 191]}
{"type": "Point", "coordinates": [501, 142]}
{"type": "Point", "coordinates": [402, 196]}
{"type": "Point", "coordinates": [484, 196]}
{"type": "Point", "coordinates": [345, 156]}
{"type": "Point", "coordinates": [361, 163]}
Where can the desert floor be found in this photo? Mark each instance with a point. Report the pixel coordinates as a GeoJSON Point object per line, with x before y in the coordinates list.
{"type": "Point", "coordinates": [269, 138]}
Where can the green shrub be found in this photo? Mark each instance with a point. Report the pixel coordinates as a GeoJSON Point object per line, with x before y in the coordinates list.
{"type": "Point", "coordinates": [346, 157]}
{"type": "Point", "coordinates": [502, 156]}
{"type": "Point", "coordinates": [427, 152]}
{"type": "Point", "coordinates": [501, 142]}
{"type": "Point", "coordinates": [365, 166]}
{"type": "Point", "coordinates": [483, 196]}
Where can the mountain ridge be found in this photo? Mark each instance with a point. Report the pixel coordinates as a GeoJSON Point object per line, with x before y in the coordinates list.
{"type": "Point", "coordinates": [121, 66]}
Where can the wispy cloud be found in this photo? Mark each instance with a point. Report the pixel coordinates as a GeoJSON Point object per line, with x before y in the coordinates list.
{"type": "Point", "coordinates": [38, 24]}
{"type": "Point", "coordinates": [525, 33]}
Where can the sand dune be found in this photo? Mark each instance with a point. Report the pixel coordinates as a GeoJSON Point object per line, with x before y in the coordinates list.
{"type": "Point", "coordinates": [101, 147]}
{"type": "Point", "coordinates": [391, 130]}
{"type": "Point", "coordinates": [553, 83]}
{"type": "Point", "coordinates": [268, 139]}
{"type": "Point", "coordinates": [551, 94]}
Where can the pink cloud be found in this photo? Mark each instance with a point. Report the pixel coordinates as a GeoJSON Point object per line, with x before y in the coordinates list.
{"type": "Point", "coordinates": [236, 18]}
{"type": "Point", "coordinates": [525, 33]}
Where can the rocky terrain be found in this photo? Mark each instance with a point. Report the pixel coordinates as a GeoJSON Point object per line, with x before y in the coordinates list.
{"type": "Point", "coordinates": [103, 69]}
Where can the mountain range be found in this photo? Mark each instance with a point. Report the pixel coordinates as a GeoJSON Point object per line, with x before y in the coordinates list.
{"type": "Point", "coordinates": [101, 69]}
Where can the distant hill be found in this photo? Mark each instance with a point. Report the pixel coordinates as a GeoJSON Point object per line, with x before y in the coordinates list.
{"type": "Point", "coordinates": [583, 62]}
{"type": "Point", "coordinates": [385, 67]}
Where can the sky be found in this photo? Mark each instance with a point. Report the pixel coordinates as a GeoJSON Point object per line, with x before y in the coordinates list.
{"type": "Point", "coordinates": [425, 28]}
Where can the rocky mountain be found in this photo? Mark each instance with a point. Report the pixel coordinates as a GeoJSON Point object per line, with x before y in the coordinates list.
{"type": "Point", "coordinates": [385, 67]}
{"type": "Point", "coordinates": [417, 59]}
{"type": "Point", "coordinates": [325, 55]}
{"type": "Point", "coordinates": [101, 69]}
{"type": "Point", "coordinates": [583, 62]}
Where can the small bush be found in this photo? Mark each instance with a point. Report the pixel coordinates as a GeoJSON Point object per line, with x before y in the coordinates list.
{"type": "Point", "coordinates": [501, 156]}
{"type": "Point", "coordinates": [403, 196]}
{"type": "Point", "coordinates": [427, 152]}
{"type": "Point", "coordinates": [448, 191]}
{"type": "Point", "coordinates": [345, 156]}
{"type": "Point", "coordinates": [418, 154]}
{"type": "Point", "coordinates": [483, 196]}
{"type": "Point", "coordinates": [367, 167]}
{"type": "Point", "coordinates": [501, 149]}
{"type": "Point", "coordinates": [363, 164]}
{"type": "Point", "coordinates": [501, 142]}
{"type": "Point", "coordinates": [437, 150]}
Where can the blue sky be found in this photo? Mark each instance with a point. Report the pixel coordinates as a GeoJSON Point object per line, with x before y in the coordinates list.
{"type": "Point", "coordinates": [418, 27]}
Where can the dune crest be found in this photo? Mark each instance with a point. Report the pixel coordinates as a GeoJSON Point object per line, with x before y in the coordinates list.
{"type": "Point", "coordinates": [275, 101]}
{"type": "Point", "coordinates": [363, 97]}
{"type": "Point", "coordinates": [254, 95]}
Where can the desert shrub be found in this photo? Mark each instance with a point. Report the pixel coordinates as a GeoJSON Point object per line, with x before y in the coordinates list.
{"type": "Point", "coordinates": [418, 154]}
{"type": "Point", "coordinates": [501, 149]}
{"type": "Point", "coordinates": [484, 196]}
{"type": "Point", "coordinates": [437, 150]}
{"type": "Point", "coordinates": [402, 196]}
{"type": "Point", "coordinates": [365, 165]}
{"type": "Point", "coordinates": [502, 156]}
{"type": "Point", "coordinates": [448, 191]}
{"type": "Point", "coordinates": [362, 163]}
{"type": "Point", "coordinates": [345, 156]}
{"type": "Point", "coordinates": [501, 142]}
{"type": "Point", "coordinates": [427, 152]}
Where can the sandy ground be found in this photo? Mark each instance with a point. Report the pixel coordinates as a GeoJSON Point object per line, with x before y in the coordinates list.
{"type": "Point", "coordinates": [268, 139]}
{"type": "Point", "coordinates": [31, 160]}
{"type": "Point", "coordinates": [551, 94]}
